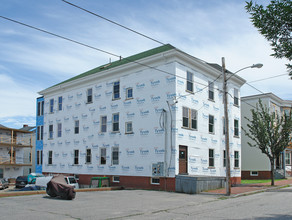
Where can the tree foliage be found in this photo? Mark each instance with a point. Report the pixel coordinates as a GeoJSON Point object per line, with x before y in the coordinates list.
{"type": "Point", "coordinates": [275, 23]}
{"type": "Point", "coordinates": [269, 132]}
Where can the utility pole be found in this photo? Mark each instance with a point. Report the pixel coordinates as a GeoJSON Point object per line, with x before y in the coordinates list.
{"type": "Point", "coordinates": [228, 181]}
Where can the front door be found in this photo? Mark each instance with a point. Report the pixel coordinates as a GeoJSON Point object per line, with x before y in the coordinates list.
{"type": "Point", "coordinates": [183, 160]}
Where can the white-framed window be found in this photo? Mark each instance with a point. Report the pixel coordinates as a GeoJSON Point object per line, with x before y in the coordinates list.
{"type": "Point", "coordinates": [51, 131]}
{"type": "Point", "coordinates": [88, 155]}
{"type": "Point", "coordinates": [76, 127]}
{"type": "Point", "coordinates": [50, 157]}
{"type": "Point", "coordinates": [236, 128]}
{"type": "Point", "coordinates": [116, 179]}
{"type": "Point", "coordinates": [254, 173]}
{"type": "Point", "coordinates": [51, 105]}
{"type": "Point", "coordinates": [236, 159]}
{"type": "Point", "coordinates": [288, 158]}
{"type": "Point", "coordinates": [189, 118]}
{"type": "Point", "coordinates": [211, 90]}
{"type": "Point", "coordinates": [236, 99]}
{"type": "Point", "coordinates": [115, 156]}
{"type": "Point", "coordinates": [39, 157]}
{"type": "Point", "coordinates": [211, 124]}
{"type": "Point", "coordinates": [60, 103]}
{"type": "Point", "coordinates": [155, 180]}
{"type": "Point", "coordinates": [211, 158]}
{"type": "Point", "coordinates": [103, 123]}
{"type": "Point", "coordinates": [59, 129]}
{"type": "Point", "coordinates": [76, 157]}
{"type": "Point", "coordinates": [116, 90]}
{"type": "Point", "coordinates": [190, 85]}
{"type": "Point", "coordinates": [115, 122]}
{"type": "Point", "coordinates": [40, 110]}
{"type": "Point", "coordinates": [102, 156]}
{"type": "Point", "coordinates": [129, 93]}
{"type": "Point", "coordinates": [129, 127]}
{"type": "Point", "coordinates": [224, 158]}
{"type": "Point", "coordinates": [89, 95]}
{"type": "Point", "coordinates": [40, 132]}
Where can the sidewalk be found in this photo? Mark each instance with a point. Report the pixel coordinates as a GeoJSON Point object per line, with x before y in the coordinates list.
{"type": "Point", "coordinates": [245, 189]}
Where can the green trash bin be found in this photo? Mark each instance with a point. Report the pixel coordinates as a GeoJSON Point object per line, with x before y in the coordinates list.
{"type": "Point", "coordinates": [97, 182]}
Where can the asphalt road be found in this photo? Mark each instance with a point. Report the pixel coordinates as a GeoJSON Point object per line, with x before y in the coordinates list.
{"type": "Point", "coordinates": [143, 204]}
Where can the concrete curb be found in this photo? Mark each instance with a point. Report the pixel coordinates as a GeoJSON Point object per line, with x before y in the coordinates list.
{"type": "Point", "coordinates": [36, 192]}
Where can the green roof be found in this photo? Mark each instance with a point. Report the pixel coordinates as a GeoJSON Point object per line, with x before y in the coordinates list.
{"type": "Point", "coordinates": [123, 61]}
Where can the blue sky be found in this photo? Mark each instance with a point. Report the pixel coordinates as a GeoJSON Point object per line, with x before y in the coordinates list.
{"type": "Point", "coordinates": [31, 61]}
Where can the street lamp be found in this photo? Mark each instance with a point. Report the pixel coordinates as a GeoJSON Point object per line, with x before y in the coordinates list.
{"type": "Point", "coordinates": [228, 181]}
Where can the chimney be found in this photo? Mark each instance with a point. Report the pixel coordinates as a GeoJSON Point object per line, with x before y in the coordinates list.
{"type": "Point", "coordinates": [25, 126]}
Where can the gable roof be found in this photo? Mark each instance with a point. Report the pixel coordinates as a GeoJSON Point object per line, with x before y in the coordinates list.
{"type": "Point", "coordinates": [120, 62]}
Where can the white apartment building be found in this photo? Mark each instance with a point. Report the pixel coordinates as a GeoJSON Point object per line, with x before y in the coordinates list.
{"type": "Point", "coordinates": [255, 164]}
{"type": "Point", "coordinates": [142, 121]}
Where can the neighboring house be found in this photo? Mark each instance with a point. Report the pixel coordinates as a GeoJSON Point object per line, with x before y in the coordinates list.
{"type": "Point", "coordinates": [255, 164]}
{"type": "Point", "coordinates": [29, 154]}
{"type": "Point", "coordinates": [14, 144]}
{"type": "Point", "coordinates": [143, 121]}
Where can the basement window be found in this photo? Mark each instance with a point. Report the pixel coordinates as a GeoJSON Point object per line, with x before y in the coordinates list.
{"type": "Point", "coordinates": [155, 181]}
{"type": "Point", "coordinates": [116, 179]}
{"type": "Point", "coordinates": [254, 173]}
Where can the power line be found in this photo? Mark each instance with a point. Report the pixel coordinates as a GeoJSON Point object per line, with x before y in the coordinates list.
{"type": "Point", "coordinates": [286, 74]}
{"type": "Point", "coordinates": [56, 35]}
{"type": "Point", "coordinates": [113, 22]}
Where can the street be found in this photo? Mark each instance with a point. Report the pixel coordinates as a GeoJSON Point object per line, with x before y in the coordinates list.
{"type": "Point", "coordinates": [144, 204]}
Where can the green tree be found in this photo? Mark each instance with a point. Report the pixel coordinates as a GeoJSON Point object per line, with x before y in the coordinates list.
{"type": "Point", "coordinates": [275, 23]}
{"type": "Point", "coordinates": [269, 132]}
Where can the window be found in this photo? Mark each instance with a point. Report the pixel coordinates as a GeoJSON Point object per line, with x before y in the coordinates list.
{"type": "Point", "coordinates": [116, 179]}
{"type": "Point", "coordinates": [116, 90]}
{"type": "Point", "coordinates": [211, 124]}
{"type": "Point", "coordinates": [76, 127]}
{"type": "Point", "coordinates": [103, 120]}
{"type": "Point", "coordinates": [115, 122]}
{"type": "Point", "coordinates": [88, 155]}
{"type": "Point", "coordinates": [155, 181]}
{"type": "Point", "coordinates": [76, 157]}
{"type": "Point", "coordinates": [288, 158]}
{"type": "Point", "coordinates": [60, 101]}
{"type": "Point", "coordinates": [236, 128]}
{"type": "Point", "coordinates": [51, 132]}
{"type": "Point", "coordinates": [189, 118]}
{"type": "Point", "coordinates": [211, 158]}
{"type": "Point", "coordinates": [40, 110]}
{"type": "Point", "coordinates": [59, 130]}
{"type": "Point", "coordinates": [115, 156]}
{"type": "Point", "coordinates": [254, 173]}
{"type": "Point", "coordinates": [51, 105]}
{"type": "Point", "coordinates": [236, 100]}
{"type": "Point", "coordinates": [129, 127]}
{"type": "Point", "coordinates": [50, 157]}
{"type": "Point", "coordinates": [236, 159]}
{"type": "Point", "coordinates": [224, 158]}
{"type": "Point", "coordinates": [211, 91]}
{"type": "Point", "coordinates": [102, 155]}
{"type": "Point", "coordinates": [40, 132]}
{"type": "Point", "coordinates": [224, 127]}
{"type": "Point", "coordinates": [39, 157]}
{"type": "Point", "coordinates": [190, 86]}
{"type": "Point", "coordinates": [129, 93]}
{"type": "Point", "coordinates": [89, 95]}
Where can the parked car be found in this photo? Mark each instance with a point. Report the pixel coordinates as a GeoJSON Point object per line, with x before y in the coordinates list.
{"type": "Point", "coordinates": [58, 187]}
{"type": "Point", "coordinates": [31, 176]}
{"type": "Point", "coordinates": [21, 181]}
{"type": "Point", "coordinates": [39, 183]}
{"type": "Point", "coordinates": [72, 181]}
{"type": "Point", "coordinates": [4, 184]}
